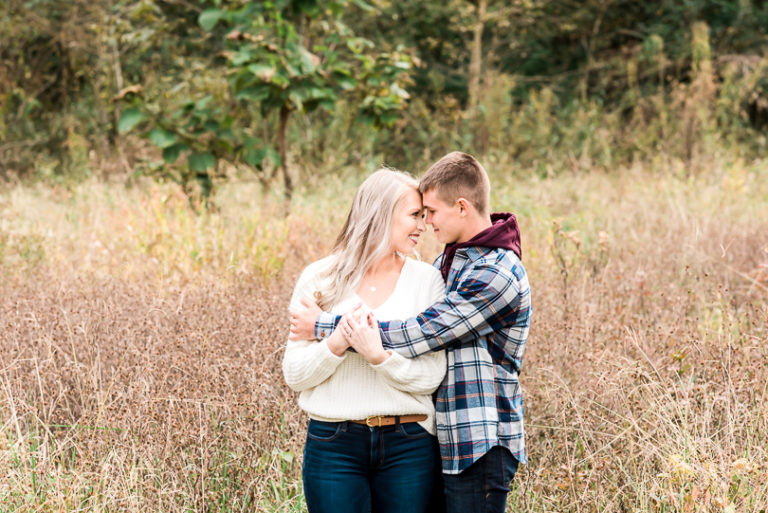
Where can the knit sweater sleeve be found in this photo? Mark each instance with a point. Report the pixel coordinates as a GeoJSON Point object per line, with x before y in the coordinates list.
{"type": "Point", "coordinates": [306, 363]}
{"type": "Point", "coordinates": [423, 374]}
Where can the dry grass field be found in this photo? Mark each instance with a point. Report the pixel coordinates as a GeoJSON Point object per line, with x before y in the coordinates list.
{"type": "Point", "coordinates": [140, 344]}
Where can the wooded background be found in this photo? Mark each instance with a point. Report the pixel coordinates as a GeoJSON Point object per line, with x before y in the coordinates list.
{"type": "Point", "coordinates": [142, 322]}
{"type": "Point", "coordinates": [283, 90]}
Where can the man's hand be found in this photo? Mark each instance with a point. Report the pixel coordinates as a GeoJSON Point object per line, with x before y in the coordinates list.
{"type": "Point", "coordinates": [361, 331]}
{"type": "Point", "coordinates": [303, 322]}
{"type": "Point", "coordinates": [337, 342]}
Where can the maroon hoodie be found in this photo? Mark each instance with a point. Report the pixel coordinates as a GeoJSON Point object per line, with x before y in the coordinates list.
{"type": "Point", "coordinates": [504, 233]}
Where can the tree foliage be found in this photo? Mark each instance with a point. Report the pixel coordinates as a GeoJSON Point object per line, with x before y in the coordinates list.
{"type": "Point", "coordinates": [219, 85]}
{"type": "Point", "coordinates": [279, 58]}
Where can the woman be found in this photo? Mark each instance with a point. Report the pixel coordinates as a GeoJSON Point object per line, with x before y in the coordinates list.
{"type": "Point", "coordinates": [371, 442]}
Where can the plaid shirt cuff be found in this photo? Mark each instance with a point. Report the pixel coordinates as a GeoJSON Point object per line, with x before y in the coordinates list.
{"type": "Point", "coordinates": [325, 324]}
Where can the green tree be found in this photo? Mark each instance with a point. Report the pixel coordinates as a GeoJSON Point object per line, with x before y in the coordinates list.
{"type": "Point", "coordinates": [280, 58]}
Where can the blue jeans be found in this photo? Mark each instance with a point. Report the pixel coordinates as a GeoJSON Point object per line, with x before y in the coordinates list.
{"type": "Point", "coordinates": [483, 487]}
{"type": "Point", "coordinates": [353, 468]}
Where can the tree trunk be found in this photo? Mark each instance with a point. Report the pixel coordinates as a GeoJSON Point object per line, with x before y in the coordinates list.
{"type": "Point", "coordinates": [288, 183]}
{"type": "Point", "coordinates": [476, 58]}
{"type": "Point", "coordinates": [118, 70]}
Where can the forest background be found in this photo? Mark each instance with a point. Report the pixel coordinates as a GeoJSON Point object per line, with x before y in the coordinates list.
{"type": "Point", "coordinates": [167, 167]}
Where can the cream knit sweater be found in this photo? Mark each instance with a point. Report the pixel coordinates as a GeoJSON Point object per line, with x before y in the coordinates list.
{"type": "Point", "coordinates": [347, 387]}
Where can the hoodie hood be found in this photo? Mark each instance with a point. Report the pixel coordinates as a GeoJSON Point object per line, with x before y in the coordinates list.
{"type": "Point", "coordinates": [503, 233]}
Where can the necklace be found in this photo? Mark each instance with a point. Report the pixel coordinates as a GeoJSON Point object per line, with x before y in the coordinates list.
{"type": "Point", "coordinates": [372, 288]}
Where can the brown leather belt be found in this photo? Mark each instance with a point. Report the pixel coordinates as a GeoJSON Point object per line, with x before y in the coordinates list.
{"type": "Point", "coordinates": [379, 420]}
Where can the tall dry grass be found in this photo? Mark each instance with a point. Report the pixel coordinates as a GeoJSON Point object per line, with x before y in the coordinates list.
{"type": "Point", "coordinates": [140, 344]}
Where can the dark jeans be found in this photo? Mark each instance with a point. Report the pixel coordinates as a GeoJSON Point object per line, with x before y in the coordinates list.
{"type": "Point", "coordinates": [352, 468]}
{"type": "Point", "coordinates": [483, 487]}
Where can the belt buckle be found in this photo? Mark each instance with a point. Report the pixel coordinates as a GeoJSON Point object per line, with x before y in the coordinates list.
{"type": "Point", "coordinates": [368, 420]}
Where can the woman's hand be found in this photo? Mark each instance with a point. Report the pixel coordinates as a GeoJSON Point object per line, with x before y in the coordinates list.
{"type": "Point", "coordinates": [303, 322]}
{"type": "Point", "coordinates": [361, 331]}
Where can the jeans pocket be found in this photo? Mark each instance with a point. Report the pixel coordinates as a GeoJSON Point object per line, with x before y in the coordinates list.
{"type": "Point", "coordinates": [413, 431]}
{"type": "Point", "coordinates": [323, 431]}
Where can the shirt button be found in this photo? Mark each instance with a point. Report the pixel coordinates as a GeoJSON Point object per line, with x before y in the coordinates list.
{"type": "Point", "coordinates": [322, 333]}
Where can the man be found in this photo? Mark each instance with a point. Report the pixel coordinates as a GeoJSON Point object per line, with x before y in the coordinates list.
{"type": "Point", "coordinates": [482, 324]}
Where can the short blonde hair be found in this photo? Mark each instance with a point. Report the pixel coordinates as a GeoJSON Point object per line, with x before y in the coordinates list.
{"type": "Point", "coordinates": [459, 175]}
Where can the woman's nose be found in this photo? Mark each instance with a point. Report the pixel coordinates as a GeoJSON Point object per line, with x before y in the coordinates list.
{"type": "Point", "coordinates": [420, 225]}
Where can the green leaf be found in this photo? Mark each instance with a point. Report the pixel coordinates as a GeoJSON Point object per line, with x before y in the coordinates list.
{"type": "Point", "coordinates": [309, 61]}
{"type": "Point", "coordinates": [225, 125]}
{"type": "Point", "coordinates": [346, 83]}
{"type": "Point", "coordinates": [201, 161]}
{"type": "Point", "coordinates": [162, 138]}
{"type": "Point", "coordinates": [306, 7]}
{"type": "Point", "coordinates": [310, 106]}
{"type": "Point", "coordinates": [223, 146]}
{"type": "Point", "coordinates": [265, 72]}
{"type": "Point", "coordinates": [388, 118]}
{"type": "Point", "coordinates": [280, 80]}
{"type": "Point", "coordinates": [255, 156]}
{"type": "Point", "coordinates": [209, 18]}
{"type": "Point", "coordinates": [321, 93]}
{"type": "Point", "coordinates": [300, 95]}
{"type": "Point", "coordinates": [297, 96]}
{"type": "Point", "coordinates": [293, 71]}
{"type": "Point", "coordinates": [363, 5]}
{"type": "Point", "coordinates": [129, 119]}
{"type": "Point", "coordinates": [171, 153]}
{"type": "Point", "coordinates": [254, 94]}
{"type": "Point", "coordinates": [341, 70]}
{"type": "Point", "coordinates": [203, 102]}
{"type": "Point", "coordinates": [399, 91]}
{"type": "Point", "coordinates": [358, 44]}
{"type": "Point", "coordinates": [241, 57]}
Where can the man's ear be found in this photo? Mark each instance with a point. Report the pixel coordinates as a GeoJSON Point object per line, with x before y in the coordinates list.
{"type": "Point", "coordinates": [463, 205]}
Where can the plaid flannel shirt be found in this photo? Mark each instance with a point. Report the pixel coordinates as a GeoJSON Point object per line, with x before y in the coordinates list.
{"type": "Point", "coordinates": [483, 325]}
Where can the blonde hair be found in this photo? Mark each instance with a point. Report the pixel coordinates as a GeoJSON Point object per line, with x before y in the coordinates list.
{"type": "Point", "coordinates": [458, 175]}
{"type": "Point", "coordinates": [365, 237]}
